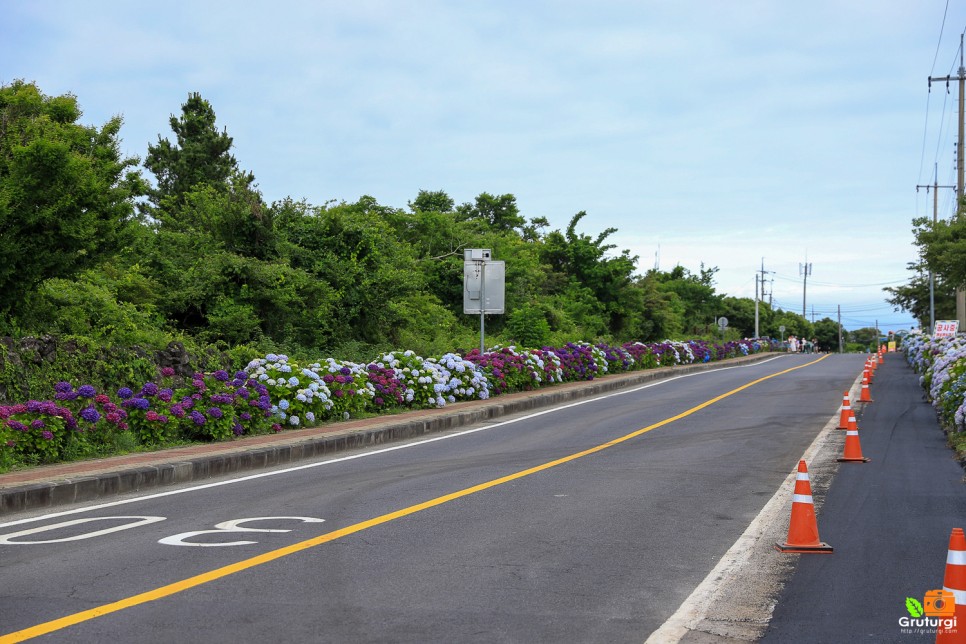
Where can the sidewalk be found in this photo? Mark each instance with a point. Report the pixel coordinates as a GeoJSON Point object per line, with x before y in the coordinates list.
{"type": "Point", "coordinates": [889, 521]}
{"type": "Point", "coordinates": [54, 485]}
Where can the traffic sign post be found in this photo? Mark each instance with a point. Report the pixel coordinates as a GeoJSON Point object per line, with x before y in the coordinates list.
{"type": "Point", "coordinates": [722, 324]}
{"type": "Point", "coordinates": [484, 286]}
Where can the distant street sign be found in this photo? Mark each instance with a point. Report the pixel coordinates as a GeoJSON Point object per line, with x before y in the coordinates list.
{"type": "Point", "coordinates": [722, 323]}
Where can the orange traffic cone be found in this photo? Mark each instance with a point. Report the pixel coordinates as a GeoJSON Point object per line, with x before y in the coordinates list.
{"type": "Point", "coordinates": [846, 410]}
{"type": "Point", "coordinates": [853, 449]}
{"type": "Point", "coordinates": [866, 395]}
{"type": "Point", "coordinates": [803, 529]}
{"type": "Point", "coordinates": [955, 583]}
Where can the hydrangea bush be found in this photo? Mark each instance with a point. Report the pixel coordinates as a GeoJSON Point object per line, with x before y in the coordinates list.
{"type": "Point", "coordinates": [273, 393]}
{"type": "Point", "coordinates": [941, 363]}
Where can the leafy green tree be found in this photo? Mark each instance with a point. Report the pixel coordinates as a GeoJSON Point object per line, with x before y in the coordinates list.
{"type": "Point", "coordinates": [66, 192]}
{"type": "Point", "coordinates": [200, 186]}
{"type": "Point", "coordinates": [740, 312]}
{"type": "Point", "coordinates": [352, 248]}
{"type": "Point", "coordinates": [233, 216]}
{"type": "Point", "coordinates": [528, 326]}
{"type": "Point", "coordinates": [496, 212]}
{"type": "Point", "coordinates": [199, 156]}
{"type": "Point", "coordinates": [794, 323]}
{"type": "Point", "coordinates": [608, 279]}
{"type": "Point", "coordinates": [436, 201]}
{"type": "Point", "coordinates": [914, 297]}
{"type": "Point", "coordinates": [697, 293]}
{"type": "Point", "coordinates": [663, 315]}
{"type": "Point", "coordinates": [866, 336]}
{"type": "Point", "coordinates": [827, 334]}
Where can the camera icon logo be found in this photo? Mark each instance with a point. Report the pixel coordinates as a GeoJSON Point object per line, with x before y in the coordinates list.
{"type": "Point", "coordinates": [939, 603]}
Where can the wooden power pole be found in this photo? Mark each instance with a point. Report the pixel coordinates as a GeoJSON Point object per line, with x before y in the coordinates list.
{"type": "Point", "coordinates": [961, 77]}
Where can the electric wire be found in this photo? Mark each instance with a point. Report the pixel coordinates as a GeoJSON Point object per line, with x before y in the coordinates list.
{"type": "Point", "coordinates": [925, 127]}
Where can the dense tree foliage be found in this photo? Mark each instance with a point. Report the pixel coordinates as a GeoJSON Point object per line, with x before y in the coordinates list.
{"type": "Point", "coordinates": [65, 191]}
{"type": "Point", "coordinates": [942, 250]}
{"type": "Point", "coordinates": [209, 260]}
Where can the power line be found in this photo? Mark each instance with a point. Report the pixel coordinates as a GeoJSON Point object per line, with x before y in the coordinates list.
{"type": "Point", "coordinates": [841, 284]}
{"type": "Point", "coordinates": [938, 44]}
{"type": "Point", "coordinates": [925, 127]}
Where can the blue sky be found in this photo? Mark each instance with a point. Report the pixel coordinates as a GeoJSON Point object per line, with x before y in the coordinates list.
{"type": "Point", "coordinates": [722, 133]}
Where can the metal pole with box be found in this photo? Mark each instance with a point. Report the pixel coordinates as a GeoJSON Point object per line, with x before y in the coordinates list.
{"type": "Point", "coordinates": [484, 286]}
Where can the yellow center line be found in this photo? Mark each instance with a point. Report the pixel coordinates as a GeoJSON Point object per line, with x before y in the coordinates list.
{"type": "Point", "coordinates": [218, 573]}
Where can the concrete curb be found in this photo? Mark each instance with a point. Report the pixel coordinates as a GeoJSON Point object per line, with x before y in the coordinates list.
{"type": "Point", "coordinates": [290, 447]}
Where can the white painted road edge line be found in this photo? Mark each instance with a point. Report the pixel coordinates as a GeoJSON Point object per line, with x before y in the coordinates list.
{"type": "Point", "coordinates": [379, 451]}
{"type": "Point", "coordinates": [695, 608]}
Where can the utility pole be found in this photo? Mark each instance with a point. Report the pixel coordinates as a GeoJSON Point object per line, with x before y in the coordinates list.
{"type": "Point", "coordinates": [756, 303]}
{"type": "Point", "coordinates": [841, 348]}
{"type": "Point", "coordinates": [935, 218]}
{"type": "Point", "coordinates": [763, 271]}
{"type": "Point", "coordinates": [961, 77]}
{"type": "Point", "coordinates": [806, 270]}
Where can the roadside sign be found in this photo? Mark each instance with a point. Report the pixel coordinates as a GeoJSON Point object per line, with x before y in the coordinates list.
{"type": "Point", "coordinates": [946, 328]}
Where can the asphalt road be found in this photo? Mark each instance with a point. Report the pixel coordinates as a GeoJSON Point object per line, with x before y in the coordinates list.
{"type": "Point", "coordinates": [592, 522]}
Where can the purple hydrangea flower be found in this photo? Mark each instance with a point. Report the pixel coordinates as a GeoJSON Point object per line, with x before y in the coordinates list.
{"type": "Point", "coordinates": [167, 372]}
{"type": "Point", "coordinates": [63, 387]}
{"type": "Point", "coordinates": [137, 403]}
{"type": "Point", "coordinates": [90, 414]}
{"type": "Point", "coordinates": [149, 389]}
{"type": "Point", "coordinates": [48, 435]}
{"type": "Point", "coordinates": [198, 418]}
{"type": "Point", "coordinates": [37, 424]}
{"type": "Point", "coordinates": [86, 391]}
{"type": "Point", "coordinates": [221, 375]}
{"type": "Point", "coordinates": [16, 425]}
{"type": "Point", "coordinates": [124, 393]}
{"type": "Point", "coordinates": [216, 412]}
